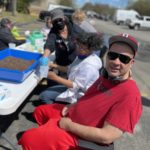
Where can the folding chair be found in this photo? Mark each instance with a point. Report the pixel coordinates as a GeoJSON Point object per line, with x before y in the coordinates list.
{"type": "Point", "coordinates": [86, 145]}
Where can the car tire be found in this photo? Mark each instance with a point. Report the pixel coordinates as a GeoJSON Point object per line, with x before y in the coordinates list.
{"type": "Point", "coordinates": [130, 27]}
{"type": "Point", "coordinates": [136, 27]}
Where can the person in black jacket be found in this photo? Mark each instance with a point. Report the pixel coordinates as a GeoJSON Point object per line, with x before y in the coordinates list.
{"type": "Point", "coordinates": [61, 39]}
{"type": "Point", "coordinates": [6, 36]}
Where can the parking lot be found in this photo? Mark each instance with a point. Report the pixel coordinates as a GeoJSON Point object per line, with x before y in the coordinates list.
{"type": "Point", "coordinates": [140, 140]}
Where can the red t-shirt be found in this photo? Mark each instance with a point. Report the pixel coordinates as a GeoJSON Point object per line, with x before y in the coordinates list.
{"type": "Point", "coordinates": [118, 103]}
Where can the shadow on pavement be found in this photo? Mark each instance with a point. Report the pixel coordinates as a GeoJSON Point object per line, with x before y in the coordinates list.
{"type": "Point", "coordinates": [19, 134]}
{"type": "Point", "coordinates": [4, 148]}
{"type": "Point", "coordinates": [29, 116]}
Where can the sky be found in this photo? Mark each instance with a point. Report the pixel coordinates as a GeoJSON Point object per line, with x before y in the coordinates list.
{"type": "Point", "coordinates": [114, 3]}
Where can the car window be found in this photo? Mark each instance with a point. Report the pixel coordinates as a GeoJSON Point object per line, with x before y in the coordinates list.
{"type": "Point", "coordinates": [148, 19]}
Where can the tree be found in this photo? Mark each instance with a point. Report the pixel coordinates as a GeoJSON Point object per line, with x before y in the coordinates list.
{"type": "Point", "coordinates": [141, 6]}
{"type": "Point", "coordinates": [16, 5]}
{"type": "Point", "coordinates": [10, 5]}
{"type": "Point", "coordinates": [101, 9]}
{"type": "Point", "coordinates": [23, 5]}
{"type": "Point", "coordinates": [66, 3]}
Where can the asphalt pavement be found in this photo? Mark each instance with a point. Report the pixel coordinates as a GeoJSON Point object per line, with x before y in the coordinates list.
{"type": "Point", "coordinates": [22, 119]}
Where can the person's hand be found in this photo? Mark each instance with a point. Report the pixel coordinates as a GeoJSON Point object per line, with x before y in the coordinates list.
{"type": "Point", "coordinates": [53, 66]}
{"type": "Point", "coordinates": [52, 75]}
{"type": "Point", "coordinates": [64, 123]}
{"type": "Point", "coordinates": [44, 61]}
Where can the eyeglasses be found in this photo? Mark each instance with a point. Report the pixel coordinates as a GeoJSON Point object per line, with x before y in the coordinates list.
{"type": "Point", "coordinates": [123, 58]}
{"type": "Point", "coordinates": [81, 47]}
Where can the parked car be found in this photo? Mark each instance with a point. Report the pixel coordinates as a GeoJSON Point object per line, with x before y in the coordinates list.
{"type": "Point", "coordinates": [140, 22]}
{"type": "Point", "coordinates": [45, 13]}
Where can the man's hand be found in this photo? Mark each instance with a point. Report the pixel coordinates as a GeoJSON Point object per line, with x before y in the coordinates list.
{"type": "Point", "coordinates": [65, 123]}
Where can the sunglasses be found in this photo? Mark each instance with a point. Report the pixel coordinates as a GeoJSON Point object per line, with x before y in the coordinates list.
{"type": "Point", "coordinates": [123, 58]}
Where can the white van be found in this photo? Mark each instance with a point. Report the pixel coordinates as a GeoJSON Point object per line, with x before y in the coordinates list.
{"type": "Point", "coordinates": [121, 16]}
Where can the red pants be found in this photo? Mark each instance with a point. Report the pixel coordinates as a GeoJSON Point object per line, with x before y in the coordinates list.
{"type": "Point", "coordinates": [48, 136]}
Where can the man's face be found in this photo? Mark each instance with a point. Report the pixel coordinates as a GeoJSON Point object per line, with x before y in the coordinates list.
{"type": "Point", "coordinates": [119, 60]}
{"type": "Point", "coordinates": [49, 23]}
{"type": "Point", "coordinates": [9, 25]}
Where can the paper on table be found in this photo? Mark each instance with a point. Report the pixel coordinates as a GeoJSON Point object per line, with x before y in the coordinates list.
{"type": "Point", "coordinates": [4, 92]}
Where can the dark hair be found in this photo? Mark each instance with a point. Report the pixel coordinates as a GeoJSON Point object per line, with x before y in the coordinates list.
{"type": "Point", "coordinates": [4, 22]}
{"type": "Point", "coordinates": [92, 40]}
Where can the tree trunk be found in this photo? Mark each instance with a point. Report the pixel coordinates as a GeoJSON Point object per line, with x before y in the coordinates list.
{"type": "Point", "coordinates": [14, 3]}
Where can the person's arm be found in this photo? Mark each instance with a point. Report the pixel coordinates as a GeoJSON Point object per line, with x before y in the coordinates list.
{"type": "Point", "coordinates": [84, 77]}
{"type": "Point", "coordinates": [106, 135]}
{"type": "Point", "coordinates": [53, 76]}
{"type": "Point", "coordinates": [47, 52]}
{"type": "Point", "coordinates": [49, 46]}
{"type": "Point", "coordinates": [7, 37]}
{"type": "Point", "coordinates": [58, 67]}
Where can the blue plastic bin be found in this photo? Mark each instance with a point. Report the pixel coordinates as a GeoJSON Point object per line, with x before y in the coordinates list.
{"type": "Point", "coordinates": [14, 75]}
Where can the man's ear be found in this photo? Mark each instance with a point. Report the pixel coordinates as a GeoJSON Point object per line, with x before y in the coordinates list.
{"type": "Point", "coordinates": [132, 62]}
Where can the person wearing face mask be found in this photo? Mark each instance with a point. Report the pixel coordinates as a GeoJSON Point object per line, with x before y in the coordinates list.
{"type": "Point", "coordinates": [6, 35]}
{"type": "Point", "coordinates": [60, 42]}
{"type": "Point", "coordinates": [108, 109]}
{"type": "Point", "coordinates": [83, 71]}
{"type": "Point", "coordinates": [61, 39]}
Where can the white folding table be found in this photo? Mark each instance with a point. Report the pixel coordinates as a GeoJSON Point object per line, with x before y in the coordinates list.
{"type": "Point", "coordinates": [18, 92]}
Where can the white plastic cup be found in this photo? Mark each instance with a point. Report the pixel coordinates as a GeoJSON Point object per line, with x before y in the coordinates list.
{"type": "Point", "coordinates": [12, 45]}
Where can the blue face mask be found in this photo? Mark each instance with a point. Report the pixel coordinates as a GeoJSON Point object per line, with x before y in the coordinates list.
{"type": "Point", "coordinates": [82, 56]}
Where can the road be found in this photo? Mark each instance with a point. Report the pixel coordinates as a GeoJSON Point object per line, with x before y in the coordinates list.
{"type": "Point", "coordinates": [111, 28]}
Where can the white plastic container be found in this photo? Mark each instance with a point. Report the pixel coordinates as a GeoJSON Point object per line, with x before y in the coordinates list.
{"type": "Point", "coordinates": [12, 45]}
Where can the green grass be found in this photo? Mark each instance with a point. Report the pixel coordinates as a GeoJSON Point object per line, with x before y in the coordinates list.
{"type": "Point", "coordinates": [19, 18]}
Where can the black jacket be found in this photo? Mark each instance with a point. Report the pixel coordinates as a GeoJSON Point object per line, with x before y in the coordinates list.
{"type": "Point", "coordinates": [64, 50]}
{"type": "Point", "coordinates": [6, 37]}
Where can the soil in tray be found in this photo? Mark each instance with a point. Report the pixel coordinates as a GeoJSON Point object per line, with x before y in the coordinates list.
{"type": "Point", "coordinates": [14, 63]}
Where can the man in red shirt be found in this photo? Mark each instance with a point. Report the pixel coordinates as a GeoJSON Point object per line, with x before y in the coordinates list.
{"type": "Point", "coordinates": [110, 107]}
